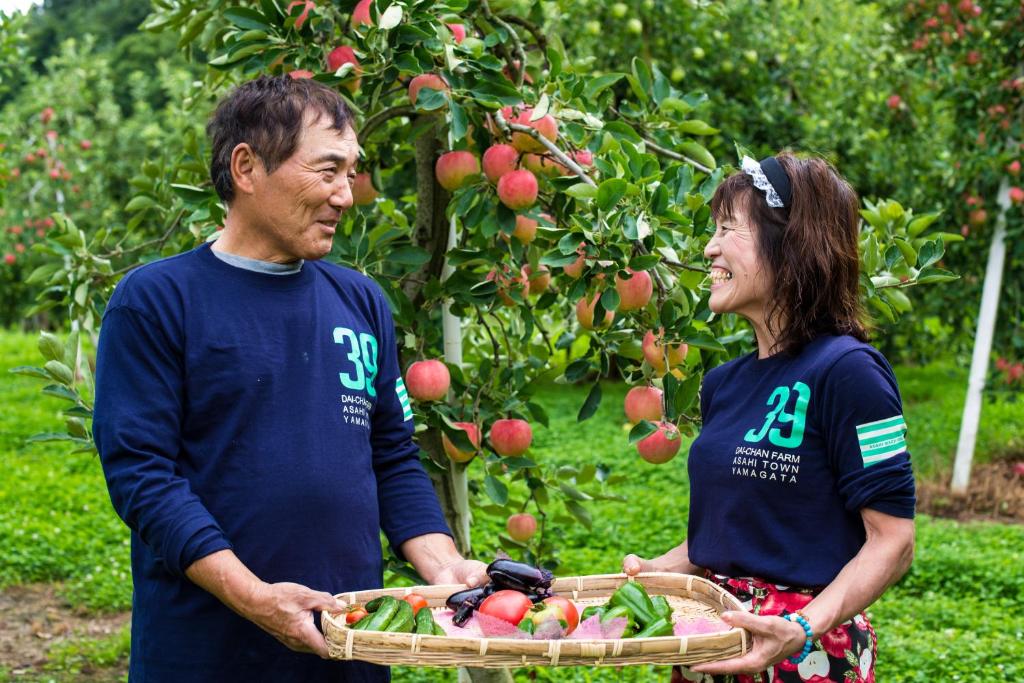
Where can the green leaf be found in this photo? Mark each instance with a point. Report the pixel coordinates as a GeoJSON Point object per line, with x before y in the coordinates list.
{"type": "Point", "coordinates": [920, 224]}
{"type": "Point", "coordinates": [930, 253]}
{"type": "Point", "coordinates": [50, 346]}
{"type": "Point", "coordinates": [698, 153]}
{"type": "Point", "coordinates": [496, 490]}
{"type": "Point", "coordinates": [610, 299]}
{"type": "Point", "coordinates": [79, 411]}
{"type": "Point", "coordinates": [577, 369]}
{"type": "Point", "coordinates": [623, 131]}
{"type": "Point", "coordinates": [579, 512]}
{"type": "Point", "coordinates": [409, 255]}
{"type": "Point", "coordinates": [554, 259]}
{"type": "Point", "coordinates": [642, 74]}
{"type": "Point", "coordinates": [555, 60]}
{"type": "Point", "coordinates": [42, 273]}
{"type": "Point", "coordinates": [883, 308]}
{"type": "Point", "coordinates": [49, 436]}
{"type": "Point", "coordinates": [30, 371]}
{"type": "Point", "coordinates": [581, 191]}
{"type": "Point", "coordinates": [936, 275]}
{"type": "Point", "coordinates": [610, 192]}
{"type": "Point", "coordinates": [587, 473]}
{"type": "Point", "coordinates": [59, 372]}
{"type": "Point", "coordinates": [61, 391]}
{"type": "Point", "coordinates": [703, 340]}
{"type": "Point", "coordinates": [596, 85]}
{"type": "Point", "coordinates": [243, 17]}
{"type": "Point", "coordinates": [909, 255]}
{"type": "Point", "coordinates": [591, 403]}
{"type": "Point", "coordinates": [641, 430]}
{"type": "Point", "coordinates": [460, 123]}
{"type": "Point", "coordinates": [429, 99]}
{"type": "Point", "coordinates": [573, 493]}
{"type": "Point", "coordinates": [697, 127]}
{"type": "Point", "coordinates": [191, 193]}
{"type": "Point", "coordinates": [686, 394]}
{"type": "Point", "coordinates": [140, 203]}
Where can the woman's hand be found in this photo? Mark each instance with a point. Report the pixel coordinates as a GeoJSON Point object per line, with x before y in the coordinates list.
{"type": "Point", "coordinates": [634, 564]}
{"type": "Point", "coordinates": [675, 560]}
{"type": "Point", "coordinates": [774, 639]}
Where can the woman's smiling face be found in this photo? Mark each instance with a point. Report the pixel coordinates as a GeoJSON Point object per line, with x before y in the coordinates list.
{"type": "Point", "coordinates": [740, 282]}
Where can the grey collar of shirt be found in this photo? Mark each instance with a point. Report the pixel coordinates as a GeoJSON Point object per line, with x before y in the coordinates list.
{"type": "Point", "coordinates": [257, 265]}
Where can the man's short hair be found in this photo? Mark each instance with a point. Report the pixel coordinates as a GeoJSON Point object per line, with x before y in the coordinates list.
{"type": "Point", "coordinates": [268, 113]}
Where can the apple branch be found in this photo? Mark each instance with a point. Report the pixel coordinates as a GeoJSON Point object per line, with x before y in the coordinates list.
{"type": "Point", "coordinates": [536, 323]}
{"type": "Point", "coordinates": [519, 71]}
{"type": "Point", "coordinates": [538, 36]}
{"type": "Point", "coordinates": [669, 154]}
{"type": "Point", "coordinates": [504, 334]}
{"type": "Point", "coordinates": [562, 157]}
{"type": "Point", "coordinates": [158, 243]}
{"type": "Point", "coordinates": [494, 342]}
{"type": "Point", "coordinates": [683, 266]}
{"type": "Point", "coordinates": [382, 117]}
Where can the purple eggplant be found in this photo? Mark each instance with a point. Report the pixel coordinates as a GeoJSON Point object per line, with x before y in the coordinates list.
{"type": "Point", "coordinates": [465, 602]}
{"type": "Point", "coordinates": [455, 600]}
{"type": "Point", "coordinates": [519, 576]}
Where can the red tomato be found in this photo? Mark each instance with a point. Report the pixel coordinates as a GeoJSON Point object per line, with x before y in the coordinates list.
{"type": "Point", "coordinates": [417, 601]}
{"type": "Point", "coordinates": [568, 609]}
{"type": "Point", "coordinates": [509, 605]}
{"type": "Point", "coordinates": [354, 614]}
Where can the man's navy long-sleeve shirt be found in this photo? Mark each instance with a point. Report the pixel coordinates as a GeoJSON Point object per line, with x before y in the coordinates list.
{"type": "Point", "coordinates": [261, 413]}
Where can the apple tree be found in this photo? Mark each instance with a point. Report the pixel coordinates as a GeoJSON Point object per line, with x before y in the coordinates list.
{"type": "Point", "coordinates": [531, 218]}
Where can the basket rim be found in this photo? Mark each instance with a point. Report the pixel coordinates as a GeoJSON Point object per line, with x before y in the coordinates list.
{"type": "Point", "coordinates": [406, 646]}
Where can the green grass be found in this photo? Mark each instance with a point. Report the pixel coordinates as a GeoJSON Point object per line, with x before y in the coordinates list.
{"type": "Point", "coordinates": [955, 616]}
{"type": "Point", "coordinates": [933, 403]}
{"type": "Point", "coordinates": [56, 521]}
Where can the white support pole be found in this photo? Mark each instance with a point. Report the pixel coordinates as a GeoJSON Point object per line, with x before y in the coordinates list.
{"type": "Point", "coordinates": [982, 347]}
{"type": "Point", "coordinates": [451, 327]}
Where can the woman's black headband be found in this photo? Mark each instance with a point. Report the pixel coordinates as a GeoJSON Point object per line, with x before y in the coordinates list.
{"type": "Point", "coordinates": [769, 177]}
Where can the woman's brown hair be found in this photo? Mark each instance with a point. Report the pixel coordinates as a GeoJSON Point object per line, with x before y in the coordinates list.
{"type": "Point", "coordinates": [810, 248]}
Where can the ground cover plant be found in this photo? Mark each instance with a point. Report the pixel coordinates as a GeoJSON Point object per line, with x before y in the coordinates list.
{"type": "Point", "coordinates": [955, 613]}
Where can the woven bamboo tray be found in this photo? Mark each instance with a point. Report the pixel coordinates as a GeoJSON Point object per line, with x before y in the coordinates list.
{"type": "Point", "coordinates": [689, 595]}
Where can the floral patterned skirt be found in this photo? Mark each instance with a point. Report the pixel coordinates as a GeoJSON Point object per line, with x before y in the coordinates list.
{"type": "Point", "coordinates": [846, 654]}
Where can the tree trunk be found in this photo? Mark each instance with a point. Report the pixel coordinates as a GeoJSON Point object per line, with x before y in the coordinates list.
{"type": "Point", "coordinates": [430, 231]}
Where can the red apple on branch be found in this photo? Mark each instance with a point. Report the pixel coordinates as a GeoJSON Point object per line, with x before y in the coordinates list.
{"type": "Point", "coordinates": [511, 437]}
{"type": "Point", "coordinates": [456, 169]}
{"type": "Point", "coordinates": [661, 446]}
{"type": "Point", "coordinates": [644, 403]}
{"type": "Point", "coordinates": [521, 527]}
{"type": "Point", "coordinates": [635, 292]}
{"type": "Point", "coordinates": [428, 380]}
{"type": "Point", "coordinates": [473, 432]}
{"type": "Point", "coordinates": [518, 189]}
{"type": "Point", "coordinates": [499, 160]}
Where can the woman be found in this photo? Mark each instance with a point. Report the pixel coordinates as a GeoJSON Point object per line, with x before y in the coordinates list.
{"type": "Point", "coordinates": [801, 490]}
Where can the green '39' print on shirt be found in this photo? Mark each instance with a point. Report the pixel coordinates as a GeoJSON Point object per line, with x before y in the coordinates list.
{"type": "Point", "coordinates": [362, 351]}
{"type": "Point", "coordinates": [779, 400]}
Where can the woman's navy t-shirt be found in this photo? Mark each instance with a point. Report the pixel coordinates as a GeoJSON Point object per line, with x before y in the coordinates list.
{"type": "Point", "coordinates": [792, 448]}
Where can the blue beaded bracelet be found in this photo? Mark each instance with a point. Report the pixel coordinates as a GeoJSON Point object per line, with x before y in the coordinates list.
{"type": "Point", "coordinates": [798, 618]}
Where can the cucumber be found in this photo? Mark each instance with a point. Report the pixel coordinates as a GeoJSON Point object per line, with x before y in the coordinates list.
{"type": "Point", "coordinates": [385, 611]}
{"type": "Point", "coordinates": [402, 622]}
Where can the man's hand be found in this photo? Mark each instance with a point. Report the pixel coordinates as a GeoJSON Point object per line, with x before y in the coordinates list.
{"type": "Point", "coordinates": [470, 572]}
{"type": "Point", "coordinates": [285, 611]}
{"type": "Point", "coordinates": [438, 561]}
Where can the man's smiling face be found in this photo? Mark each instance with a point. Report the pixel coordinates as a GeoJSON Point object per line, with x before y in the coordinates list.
{"type": "Point", "coordinates": [300, 203]}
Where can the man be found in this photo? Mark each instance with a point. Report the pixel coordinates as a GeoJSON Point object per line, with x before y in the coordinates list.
{"type": "Point", "coordinates": [250, 415]}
